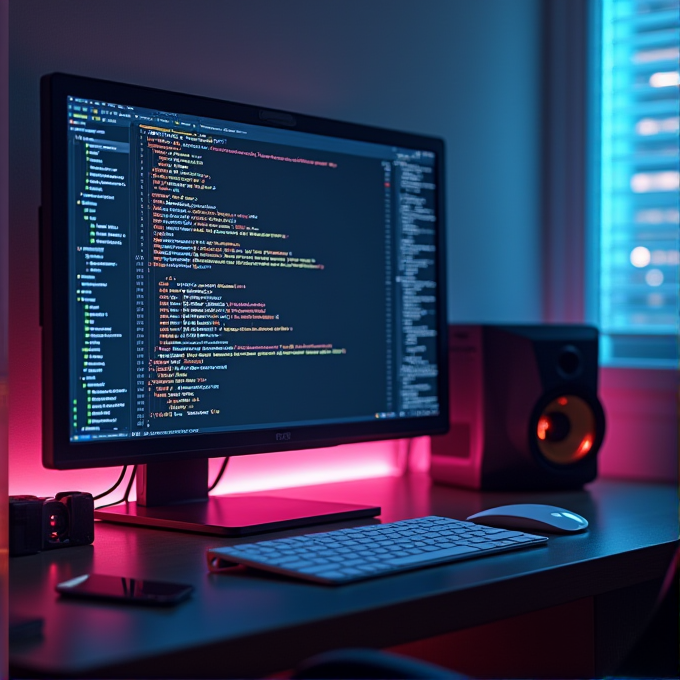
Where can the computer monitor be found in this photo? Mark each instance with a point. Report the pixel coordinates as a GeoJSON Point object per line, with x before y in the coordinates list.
{"type": "Point", "coordinates": [221, 279]}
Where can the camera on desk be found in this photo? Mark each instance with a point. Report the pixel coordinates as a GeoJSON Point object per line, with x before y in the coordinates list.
{"type": "Point", "coordinates": [37, 524]}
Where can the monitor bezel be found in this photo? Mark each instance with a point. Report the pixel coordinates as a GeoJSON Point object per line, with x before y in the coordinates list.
{"type": "Point", "coordinates": [61, 453]}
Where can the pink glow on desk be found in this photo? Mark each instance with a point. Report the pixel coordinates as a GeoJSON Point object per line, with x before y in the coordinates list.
{"type": "Point", "coordinates": [244, 474]}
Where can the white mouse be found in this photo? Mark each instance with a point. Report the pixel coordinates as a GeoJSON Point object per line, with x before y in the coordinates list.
{"type": "Point", "coordinates": [531, 516]}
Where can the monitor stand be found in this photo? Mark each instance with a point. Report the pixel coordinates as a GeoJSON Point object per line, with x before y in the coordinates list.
{"type": "Point", "coordinates": [175, 496]}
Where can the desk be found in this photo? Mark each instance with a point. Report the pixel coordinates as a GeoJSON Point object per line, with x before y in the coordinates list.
{"type": "Point", "coordinates": [250, 624]}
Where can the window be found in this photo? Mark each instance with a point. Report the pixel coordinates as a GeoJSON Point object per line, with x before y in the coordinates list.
{"type": "Point", "coordinates": [636, 299]}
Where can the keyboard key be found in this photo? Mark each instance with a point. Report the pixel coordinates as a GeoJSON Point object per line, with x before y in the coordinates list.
{"type": "Point", "coordinates": [349, 571]}
{"type": "Point", "coordinates": [312, 570]}
{"type": "Point", "coordinates": [506, 534]}
{"type": "Point", "coordinates": [373, 567]}
{"type": "Point", "coordinates": [351, 563]}
{"type": "Point", "coordinates": [441, 554]}
{"type": "Point", "coordinates": [295, 565]}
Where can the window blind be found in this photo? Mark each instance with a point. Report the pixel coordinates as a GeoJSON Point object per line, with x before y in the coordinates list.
{"type": "Point", "coordinates": [639, 187]}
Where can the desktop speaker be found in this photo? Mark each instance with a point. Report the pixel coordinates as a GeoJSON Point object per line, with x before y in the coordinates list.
{"type": "Point", "coordinates": [524, 410]}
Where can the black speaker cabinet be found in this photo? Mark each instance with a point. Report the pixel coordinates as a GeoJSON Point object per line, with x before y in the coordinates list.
{"type": "Point", "coordinates": [524, 410]}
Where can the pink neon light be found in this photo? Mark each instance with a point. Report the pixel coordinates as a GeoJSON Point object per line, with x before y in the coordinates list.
{"type": "Point", "coordinates": [245, 473]}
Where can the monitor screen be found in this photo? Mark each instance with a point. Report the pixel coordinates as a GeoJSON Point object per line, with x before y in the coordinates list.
{"type": "Point", "coordinates": [222, 279]}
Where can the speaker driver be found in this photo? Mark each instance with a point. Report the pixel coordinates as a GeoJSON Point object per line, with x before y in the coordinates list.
{"type": "Point", "coordinates": [566, 430]}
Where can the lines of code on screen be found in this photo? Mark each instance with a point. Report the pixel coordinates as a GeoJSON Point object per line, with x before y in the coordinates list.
{"type": "Point", "coordinates": [228, 280]}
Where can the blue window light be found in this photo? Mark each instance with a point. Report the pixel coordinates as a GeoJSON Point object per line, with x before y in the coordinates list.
{"type": "Point", "coordinates": [636, 296]}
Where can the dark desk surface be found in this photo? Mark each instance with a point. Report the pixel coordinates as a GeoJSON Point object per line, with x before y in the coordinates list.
{"type": "Point", "coordinates": [250, 624]}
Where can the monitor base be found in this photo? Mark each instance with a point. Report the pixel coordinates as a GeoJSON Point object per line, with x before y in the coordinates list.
{"type": "Point", "coordinates": [236, 515]}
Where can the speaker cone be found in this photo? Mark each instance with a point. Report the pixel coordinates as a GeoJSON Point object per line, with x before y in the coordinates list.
{"type": "Point", "coordinates": [566, 430]}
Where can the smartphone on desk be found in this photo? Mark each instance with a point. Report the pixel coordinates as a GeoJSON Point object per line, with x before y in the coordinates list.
{"type": "Point", "coordinates": [124, 589]}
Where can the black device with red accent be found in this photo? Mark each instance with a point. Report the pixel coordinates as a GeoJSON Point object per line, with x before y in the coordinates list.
{"type": "Point", "coordinates": [37, 524]}
{"type": "Point", "coordinates": [524, 409]}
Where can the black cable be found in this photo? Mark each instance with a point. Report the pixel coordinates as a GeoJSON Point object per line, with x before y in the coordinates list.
{"type": "Point", "coordinates": [129, 486]}
{"type": "Point", "coordinates": [114, 487]}
{"type": "Point", "coordinates": [108, 505]}
{"type": "Point", "coordinates": [219, 474]}
{"type": "Point", "coordinates": [125, 497]}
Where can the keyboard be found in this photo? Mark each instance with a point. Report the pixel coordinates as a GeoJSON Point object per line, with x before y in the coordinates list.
{"type": "Point", "coordinates": [347, 555]}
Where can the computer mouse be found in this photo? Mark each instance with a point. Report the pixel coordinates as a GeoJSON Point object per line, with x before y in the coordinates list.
{"type": "Point", "coordinates": [531, 516]}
